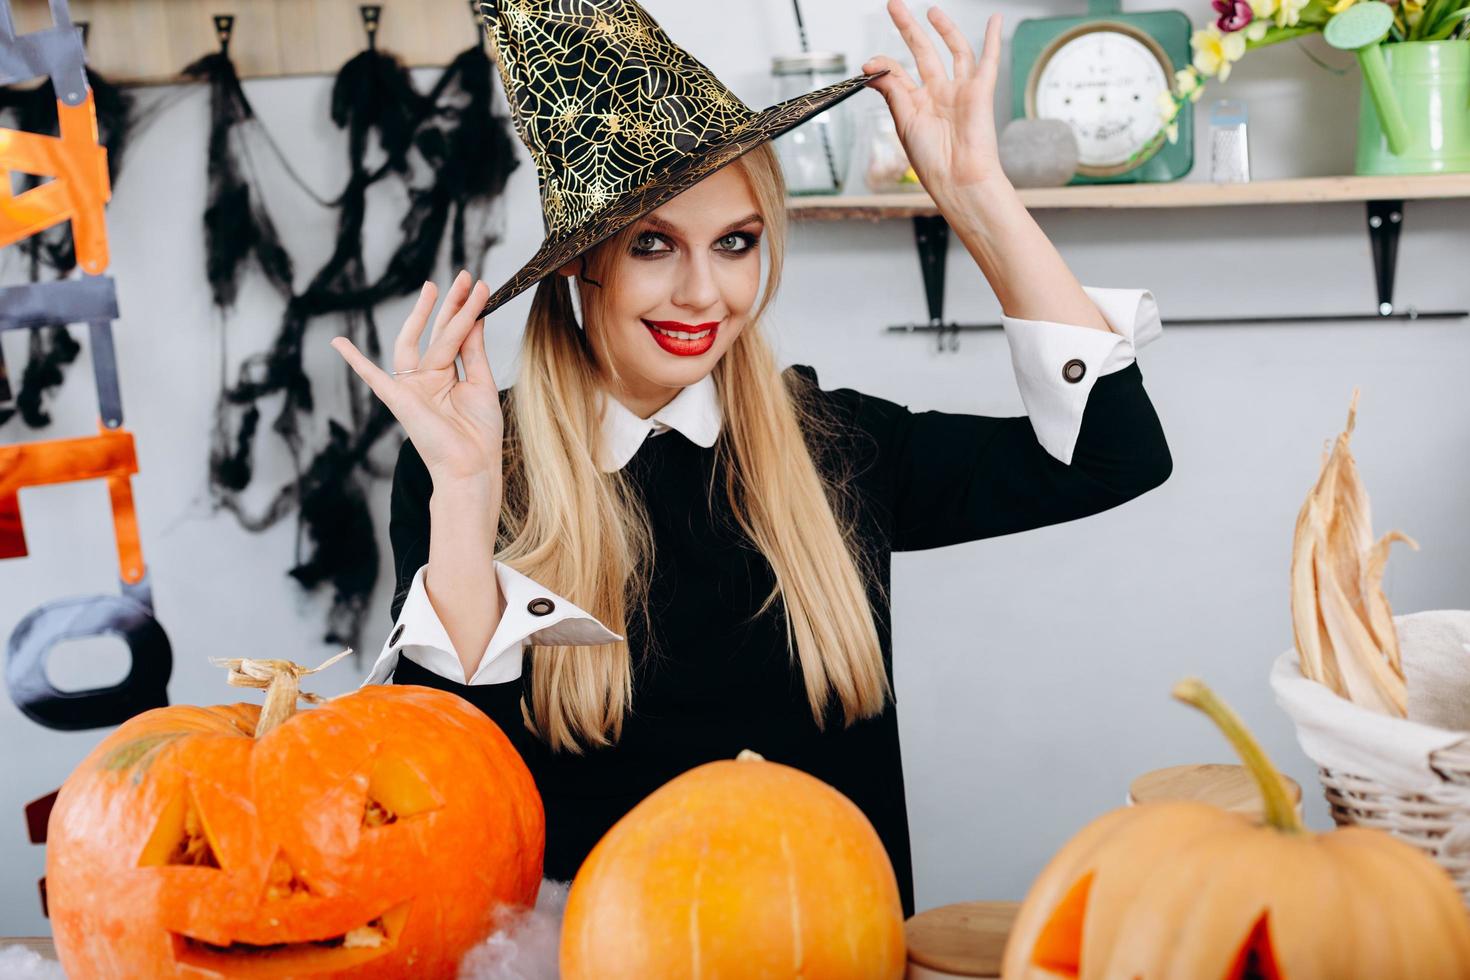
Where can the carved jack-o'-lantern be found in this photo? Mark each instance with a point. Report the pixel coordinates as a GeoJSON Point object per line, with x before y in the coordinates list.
{"type": "Point", "coordinates": [1183, 890]}
{"type": "Point", "coordinates": [376, 835]}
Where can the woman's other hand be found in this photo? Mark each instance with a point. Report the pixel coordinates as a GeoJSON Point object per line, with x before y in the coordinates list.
{"type": "Point", "coordinates": [947, 125]}
{"type": "Point", "coordinates": [455, 425]}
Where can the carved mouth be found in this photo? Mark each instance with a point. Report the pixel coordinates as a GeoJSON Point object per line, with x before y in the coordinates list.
{"type": "Point", "coordinates": [369, 941]}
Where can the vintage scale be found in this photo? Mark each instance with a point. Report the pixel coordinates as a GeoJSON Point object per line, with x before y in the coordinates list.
{"type": "Point", "coordinates": [1103, 72]}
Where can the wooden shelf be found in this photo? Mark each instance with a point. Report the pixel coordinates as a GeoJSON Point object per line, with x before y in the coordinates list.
{"type": "Point", "coordinates": [149, 41]}
{"type": "Point", "coordinates": [1384, 198]}
{"type": "Point", "coordinates": [1184, 194]}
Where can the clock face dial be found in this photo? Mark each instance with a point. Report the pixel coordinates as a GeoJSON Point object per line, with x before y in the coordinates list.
{"type": "Point", "coordinates": [1106, 83]}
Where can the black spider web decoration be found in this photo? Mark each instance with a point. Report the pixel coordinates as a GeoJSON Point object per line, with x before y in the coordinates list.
{"type": "Point", "coordinates": [451, 155]}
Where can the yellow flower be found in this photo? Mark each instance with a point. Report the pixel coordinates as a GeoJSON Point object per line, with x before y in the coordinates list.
{"type": "Point", "coordinates": [1172, 132]}
{"type": "Point", "coordinates": [1168, 108]}
{"type": "Point", "coordinates": [1340, 6]}
{"type": "Point", "coordinates": [1256, 29]}
{"type": "Point", "coordinates": [1263, 8]}
{"type": "Point", "coordinates": [1188, 83]}
{"type": "Point", "coordinates": [1214, 52]}
{"type": "Point", "coordinates": [1413, 11]}
{"type": "Point", "coordinates": [1290, 12]}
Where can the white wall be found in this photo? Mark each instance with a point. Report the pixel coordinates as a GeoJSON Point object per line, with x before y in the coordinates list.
{"type": "Point", "coordinates": [1025, 713]}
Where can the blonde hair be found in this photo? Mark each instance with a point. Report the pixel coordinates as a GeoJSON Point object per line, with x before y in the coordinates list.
{"type": "Point", "coordinates": [585, 534]}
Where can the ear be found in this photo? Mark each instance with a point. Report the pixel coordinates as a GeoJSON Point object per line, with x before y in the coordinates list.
{"type": "Point", "coordinates": [579, 264]}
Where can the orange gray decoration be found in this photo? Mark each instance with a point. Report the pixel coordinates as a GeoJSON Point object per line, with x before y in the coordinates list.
{"type": "Point", "coordinates": [79, 189]}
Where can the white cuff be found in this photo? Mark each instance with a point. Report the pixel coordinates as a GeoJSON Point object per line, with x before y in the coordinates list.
{"type": "Point", "coordinates": [1053, 388]}
{"type": "Point", "coordinates": [534, 616]}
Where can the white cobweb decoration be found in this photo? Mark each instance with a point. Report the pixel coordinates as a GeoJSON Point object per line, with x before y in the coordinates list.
{"type": "Point", "coordinates": [21, 963]}
{"type": "Point", "coordinates": [524, 944]}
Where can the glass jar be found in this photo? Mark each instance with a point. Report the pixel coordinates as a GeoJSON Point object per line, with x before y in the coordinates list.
{"type": "Point", "coordinates": [814, 156]}
{"type": "Point", "coordinates": [884, 162]}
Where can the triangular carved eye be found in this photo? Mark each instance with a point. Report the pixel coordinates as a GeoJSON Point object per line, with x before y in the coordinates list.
{"type": "Point", "coordinates": [396, 791]}
{"type": "Point", "coordinates": [180, 837]}
{"type": "Point", "coordinates": [1257, 958]}
{"type": "Point", "coordinates": [1059, 947]}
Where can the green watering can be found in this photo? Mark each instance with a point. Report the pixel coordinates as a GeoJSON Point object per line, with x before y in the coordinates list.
{"type": "Point", "coordinates": [1416, 116]}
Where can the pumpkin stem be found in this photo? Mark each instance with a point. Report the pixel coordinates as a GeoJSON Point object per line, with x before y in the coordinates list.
{"type": "Point", "coordinates": [282, 682]}
{"type": "Point", "coordinates": [1279, 810]}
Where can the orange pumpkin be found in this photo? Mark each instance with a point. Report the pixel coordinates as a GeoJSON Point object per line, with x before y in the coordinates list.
{"type": "Point", "coordinates": [1183, 891]}
{"type": "Point", "coordinates": [741, 868]}
{"type": "Point", "coordinates": [376, 835]}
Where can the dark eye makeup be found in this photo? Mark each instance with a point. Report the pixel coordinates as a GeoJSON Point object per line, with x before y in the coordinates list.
{"type": "Point", "coordinates": [751, 243]}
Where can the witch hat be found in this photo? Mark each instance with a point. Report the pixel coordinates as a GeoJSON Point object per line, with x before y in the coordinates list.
{"type": "Point", "coordinates": [618, 118]}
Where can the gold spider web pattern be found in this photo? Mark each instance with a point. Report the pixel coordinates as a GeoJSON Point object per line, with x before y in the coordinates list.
{"type": "Point", "coordinates": [681, 174]}
{"type": "Point", "coordinates": [603, 99]}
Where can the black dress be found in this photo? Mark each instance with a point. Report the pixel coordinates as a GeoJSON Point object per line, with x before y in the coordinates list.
{"type": "Point", "coordinates": [721, 682]}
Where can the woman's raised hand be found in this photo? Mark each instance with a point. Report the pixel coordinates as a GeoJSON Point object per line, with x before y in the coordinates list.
{"type": "Point", "coordinates": [455, 425]}
{"type": "Point", "coordinates": [947, 126]}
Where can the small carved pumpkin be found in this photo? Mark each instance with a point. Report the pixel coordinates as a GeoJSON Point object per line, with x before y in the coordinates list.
{"type": "Point", "coordinates": [1183, 891]}
{"type": "Point", "coordinates": [741, 868]}
{"type": "Point", "coordinates": [376, 835]}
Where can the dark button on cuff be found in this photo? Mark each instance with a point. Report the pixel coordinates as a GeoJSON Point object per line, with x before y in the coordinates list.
{"type": "Point", "coordinates": [1074, 371]}
{"type": "Point", "coordinates": [397, 632]}
{"type": "Point", "coordinates": [540, 607]}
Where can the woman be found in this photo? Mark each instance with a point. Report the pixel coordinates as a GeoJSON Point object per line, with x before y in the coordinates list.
{"type": "Point", "coordinates": [725, 528]}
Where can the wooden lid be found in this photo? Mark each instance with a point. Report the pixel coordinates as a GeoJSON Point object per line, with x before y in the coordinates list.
{"type": "Point", "coordinates": [1228, 787]}
{"type": "Point", "coordinates": [966, 939]}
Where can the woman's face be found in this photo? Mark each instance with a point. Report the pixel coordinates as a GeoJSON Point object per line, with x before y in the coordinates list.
{"type": "Point", "coordinates": [693, 268]}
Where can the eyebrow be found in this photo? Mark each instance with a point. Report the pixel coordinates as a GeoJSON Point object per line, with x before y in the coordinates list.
{"type": "Point", "coordinates": [663, 225]}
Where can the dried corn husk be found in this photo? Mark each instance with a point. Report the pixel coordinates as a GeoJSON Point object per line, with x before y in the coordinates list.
{"type": "Point", "coordinates": [1340, 618]}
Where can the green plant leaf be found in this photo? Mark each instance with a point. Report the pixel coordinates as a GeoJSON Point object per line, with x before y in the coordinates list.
{"type": "Point", "coordinates": [1429, 15]}
{"type": "Point", "coordinates": [1316, 12]}
{"type": "Point", "coordinates": [1434, 11]}
{"type": "Point", "coordinates": [1276, 35]}
{"type": "Point", "coordinates": [1447, 23]}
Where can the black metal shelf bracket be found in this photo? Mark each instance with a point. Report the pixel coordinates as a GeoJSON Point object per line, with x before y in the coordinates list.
{"type": "Point", "coordinates": [931, 235]}
{"type": "Point", "coordinates": [1385, 222]}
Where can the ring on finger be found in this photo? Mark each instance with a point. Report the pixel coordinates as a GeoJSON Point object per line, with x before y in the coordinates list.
{"type": "Point", "coordinates": [399, 374]}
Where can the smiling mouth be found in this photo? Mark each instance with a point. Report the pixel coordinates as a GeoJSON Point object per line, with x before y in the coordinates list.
{"type": "Point", "coordinates": [369, 941]}
{"type": "Point", "coordinates": [679, 334]}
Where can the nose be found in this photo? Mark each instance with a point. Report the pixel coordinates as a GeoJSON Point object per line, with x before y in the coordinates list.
{"type": "Point", "coordinates": [697, 289]}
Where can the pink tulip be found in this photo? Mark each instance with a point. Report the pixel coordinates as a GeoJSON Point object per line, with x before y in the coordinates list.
{"type": "Point", "coordinates": [1234, 14]}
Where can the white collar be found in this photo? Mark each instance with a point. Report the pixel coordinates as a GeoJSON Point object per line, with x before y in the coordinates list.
{"type": "Point", "coordinates": [693, 412]}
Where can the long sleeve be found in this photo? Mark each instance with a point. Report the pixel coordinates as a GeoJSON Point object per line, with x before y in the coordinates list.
{"type": "Point", "coordinates": [533, 614]}
{"type": "Point", "coordinates": [1057, 364]}
{"type": "Point", "coordinates": [946, 478]}
{"type": "Point", "coordinates": [953, 478]}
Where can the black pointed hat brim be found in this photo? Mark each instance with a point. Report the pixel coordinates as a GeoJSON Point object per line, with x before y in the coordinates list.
{"type": "Point", "coordinates": [672, 181]}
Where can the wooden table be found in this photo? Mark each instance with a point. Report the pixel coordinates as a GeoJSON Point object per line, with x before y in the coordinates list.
{"type": "Point", "coordinates": [966, 939]}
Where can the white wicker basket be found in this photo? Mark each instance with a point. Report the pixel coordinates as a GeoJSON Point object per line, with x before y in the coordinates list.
{"type": "Point", "coordinates": [1410, 777]}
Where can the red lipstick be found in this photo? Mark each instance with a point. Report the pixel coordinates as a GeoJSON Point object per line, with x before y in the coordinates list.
{"type": "Point", "coordinates": [691, 345]}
